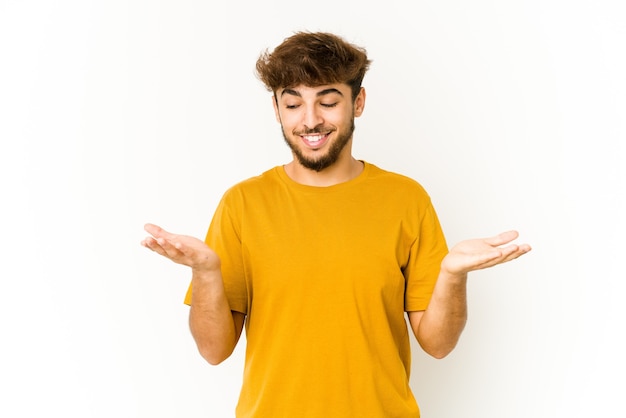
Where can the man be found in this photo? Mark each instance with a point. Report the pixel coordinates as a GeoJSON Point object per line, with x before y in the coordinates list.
{"type": "Point", "coordinates": [322, 257]}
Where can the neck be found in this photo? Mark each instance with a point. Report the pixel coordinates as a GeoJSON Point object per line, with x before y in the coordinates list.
{"type": "Point", "coordinates": [345, 169]}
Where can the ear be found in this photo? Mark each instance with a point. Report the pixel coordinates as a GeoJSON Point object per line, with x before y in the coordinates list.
{"type": "Point", "coordinates": [359, 103]}
{"type": "Point", "coordinates": [275, 104]}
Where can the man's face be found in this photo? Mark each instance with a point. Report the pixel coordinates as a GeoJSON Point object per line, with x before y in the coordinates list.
{"type": "Point", "coordinates": [318, 122]}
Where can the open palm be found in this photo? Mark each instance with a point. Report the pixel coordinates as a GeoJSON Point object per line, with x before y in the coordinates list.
{"type": "Point", "coordinates": [476, 254]}
{"type": "Point", "coordinates": [181, 249]}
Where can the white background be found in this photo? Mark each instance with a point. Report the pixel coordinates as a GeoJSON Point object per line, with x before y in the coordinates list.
{"type": "Point", "coordinates": [116, 113]}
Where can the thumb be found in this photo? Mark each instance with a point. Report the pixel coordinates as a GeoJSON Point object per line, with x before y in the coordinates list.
{"type": "Point", "coordinates": [502, 238]}
{"type": "Point", "coordinates": [155, 230]}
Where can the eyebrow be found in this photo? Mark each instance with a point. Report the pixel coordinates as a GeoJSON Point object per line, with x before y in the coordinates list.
{"type": "Point", "coordinates": [324, 92]}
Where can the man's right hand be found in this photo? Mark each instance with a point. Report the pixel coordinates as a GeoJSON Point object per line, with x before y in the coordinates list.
{"type": "Point", "coordinates": [182, 249]}
{"type": "Point", "coordinates": [215, 328]}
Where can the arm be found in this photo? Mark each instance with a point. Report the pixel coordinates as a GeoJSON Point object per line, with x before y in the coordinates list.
{"type": "Point", "coordinates": [439, 327]}
{"type": "Point", "coordinates": [215, 328]}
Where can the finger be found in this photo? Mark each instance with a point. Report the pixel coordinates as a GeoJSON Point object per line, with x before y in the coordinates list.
{"type": "Point", "coordinates": [509, 253]}
{"type": "Point", "coordinates": [156, 231]}
{"type": "Point", "coordinates": [521, 250]}
{"type": "Point", "coordinates": [152, 244]}
{"type": "Point", "coordinates": [509, 249]}
{"type": "Point", "coordinates": [146, 242]}
{"type": "Point", "coordinates": [502, 238]}
{"type": "Point", "coordinates": [170, 246]}
{"type": "Point", "coordinates": [486, 259]}
{"type": "Point", "coordinates": [163, 247]}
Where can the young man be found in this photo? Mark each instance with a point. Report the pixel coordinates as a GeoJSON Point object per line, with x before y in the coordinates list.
{"type": "Point", "coordinates": [322, 257]}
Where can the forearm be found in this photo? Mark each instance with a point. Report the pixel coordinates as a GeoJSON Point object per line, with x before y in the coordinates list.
{"type": "Point", "coordinates": [443, 321]}
{"type": "Point", "coordinates": [439, 327]}
{"type": "Point", "coordinates": [210, 318]}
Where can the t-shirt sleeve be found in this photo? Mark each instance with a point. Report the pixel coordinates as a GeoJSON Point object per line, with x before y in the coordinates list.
{"type": "Point", "coordinates": [224, 237]}
{"type": "Point", "coordinates": [426, 254]}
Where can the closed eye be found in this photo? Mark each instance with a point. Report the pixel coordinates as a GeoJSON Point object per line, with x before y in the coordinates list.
{"type": "Point", "coordinates": [329, 104]}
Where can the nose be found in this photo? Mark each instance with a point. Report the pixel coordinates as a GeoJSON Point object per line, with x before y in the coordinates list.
{"type": "Point", "coordinates": [312, 117]}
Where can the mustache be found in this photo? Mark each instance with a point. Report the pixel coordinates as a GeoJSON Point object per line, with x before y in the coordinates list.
{"type": "Point", "coordinates": [316, 130]}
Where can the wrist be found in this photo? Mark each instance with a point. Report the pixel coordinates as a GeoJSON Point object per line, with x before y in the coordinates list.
{"type": "Point", "coordinates": [454, 277]}
{"type": "Point", "coordinates": [205, 274]}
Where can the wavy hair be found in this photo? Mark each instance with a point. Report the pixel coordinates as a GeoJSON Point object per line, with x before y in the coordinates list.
{"type": "Point", "coordinates": [313, 59]}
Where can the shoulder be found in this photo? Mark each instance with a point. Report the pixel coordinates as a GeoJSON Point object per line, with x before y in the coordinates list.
{"type": "Point", "coordinates": [253, 186]}
{"type": "Point", "coordinates": [394, 181]}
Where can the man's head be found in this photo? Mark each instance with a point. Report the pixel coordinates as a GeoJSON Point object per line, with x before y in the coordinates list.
{"type": "Point", "coordinates": [316, 80]}
{"type": "Point", "coordinates": [313, 59]}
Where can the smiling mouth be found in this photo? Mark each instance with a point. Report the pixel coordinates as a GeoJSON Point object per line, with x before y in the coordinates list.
{"type": "Point", "coordinates": [314, 141]}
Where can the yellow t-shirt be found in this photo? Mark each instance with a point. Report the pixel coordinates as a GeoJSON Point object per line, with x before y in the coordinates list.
{"type": "Point", "coordinates": [324, 276]}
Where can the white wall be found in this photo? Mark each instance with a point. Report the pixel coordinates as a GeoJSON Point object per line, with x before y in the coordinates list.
{"type": "Point", "coordinates": [116, 113]}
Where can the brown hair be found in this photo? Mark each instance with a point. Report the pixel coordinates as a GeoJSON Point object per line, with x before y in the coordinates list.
{"type": "Point", "coordinates": [313, 59]}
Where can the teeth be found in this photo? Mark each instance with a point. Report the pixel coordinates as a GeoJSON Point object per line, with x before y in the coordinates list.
{"type": "Point", "coordinates": [313, 138]}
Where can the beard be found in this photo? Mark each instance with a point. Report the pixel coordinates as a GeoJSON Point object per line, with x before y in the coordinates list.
{"type": "Point", "coordinates": [326, 160]}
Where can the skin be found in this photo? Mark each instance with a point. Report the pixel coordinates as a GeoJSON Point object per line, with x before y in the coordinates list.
{"type": "Point", "coordinates": [214, 327]}
{"type": "Point", "coordinates": [327, 113]}
{"type": "Point", "coordinates": [317, 124]}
